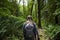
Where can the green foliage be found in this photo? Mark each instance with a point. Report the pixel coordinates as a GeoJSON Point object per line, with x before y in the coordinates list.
{"type": "Point", "coordinates": [12, 6]}
{"type": "Point", "coordinates": [49, 13]}
{"type": "Point", "coordinates": [5, 11]}
{"type": "Point", "coordinates": [57, 12]}
{"type": "Point", "coordinates": [10, 25]}
{"type": "Point", "coordinates": [52, 30]}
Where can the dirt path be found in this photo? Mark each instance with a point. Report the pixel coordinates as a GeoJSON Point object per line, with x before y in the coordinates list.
{"type": "Point", "coordinates": [42, 34]}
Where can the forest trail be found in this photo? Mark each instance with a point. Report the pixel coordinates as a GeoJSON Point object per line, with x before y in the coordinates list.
{"type": "Point", "coordinates": [42, 34]}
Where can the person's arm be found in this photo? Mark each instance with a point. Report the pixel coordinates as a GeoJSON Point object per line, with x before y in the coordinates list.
{"type": "Point", "coordinates": [36, 32]}
{"type": "Point", "coordinates": [35, 29]}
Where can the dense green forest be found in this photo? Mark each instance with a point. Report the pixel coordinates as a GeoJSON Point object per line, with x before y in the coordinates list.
{"type": "Point", "coordinates": [13, 13]}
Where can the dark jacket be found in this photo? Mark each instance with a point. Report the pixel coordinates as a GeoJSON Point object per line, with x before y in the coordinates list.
{"type": "Point", "coordinates": [24, 32]}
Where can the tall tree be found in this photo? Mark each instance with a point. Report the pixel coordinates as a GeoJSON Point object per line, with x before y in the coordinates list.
{"type": "Point", "coordinates": [30, 6]}
{"type": "Point", "coordinates": [24, 8]}
{"type": "Point", "coordinates": [40, 6]}
{"type": "Point", "coordinates": [32, 3]}
{"type": "Point", "coordinates": [39, 15]}
{"type": "Point", "coordinates": [36, 9]}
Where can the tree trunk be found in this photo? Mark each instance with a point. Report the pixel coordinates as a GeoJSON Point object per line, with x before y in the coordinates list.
{"type": "Point", "coordinates": [32, 6]}
{"type": "Point", "coordinates": [39, 15]}
{"type": "Point", "coordinates": [19, 1]}
{"type": "Point", "coordinates": [36, 10]}
{"type": "Point", "coordinates": [28, 7]}
{"type": "Point", "coordinates": [24, 9]}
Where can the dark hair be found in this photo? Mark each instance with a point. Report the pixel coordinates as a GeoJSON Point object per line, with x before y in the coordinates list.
{"type": "Point", "coordinates": [29, 17]}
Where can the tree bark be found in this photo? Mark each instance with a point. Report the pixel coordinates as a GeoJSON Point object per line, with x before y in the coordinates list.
{"type": "Point", "coordinates": [39, 15]}
{"type": "Point", "coordinates": [32, 6]}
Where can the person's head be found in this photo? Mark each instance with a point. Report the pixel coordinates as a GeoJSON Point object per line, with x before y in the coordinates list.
{"type": "Point", "coordinates": [29, 17]}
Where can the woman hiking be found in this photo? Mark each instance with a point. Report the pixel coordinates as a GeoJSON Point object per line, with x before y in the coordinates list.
{"type": "Point", "coordinates": [29, 29]}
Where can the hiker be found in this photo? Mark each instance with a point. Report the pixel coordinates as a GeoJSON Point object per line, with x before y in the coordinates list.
{"type": "Point", "coordinates": [29, 29]}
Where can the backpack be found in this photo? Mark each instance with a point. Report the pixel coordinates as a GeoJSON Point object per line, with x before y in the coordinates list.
{"type": "Point", "coordinates": [29, 30]}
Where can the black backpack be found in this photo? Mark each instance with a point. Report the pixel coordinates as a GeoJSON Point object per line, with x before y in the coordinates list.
{"type": "Point", "coordinates": [29, 27]}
